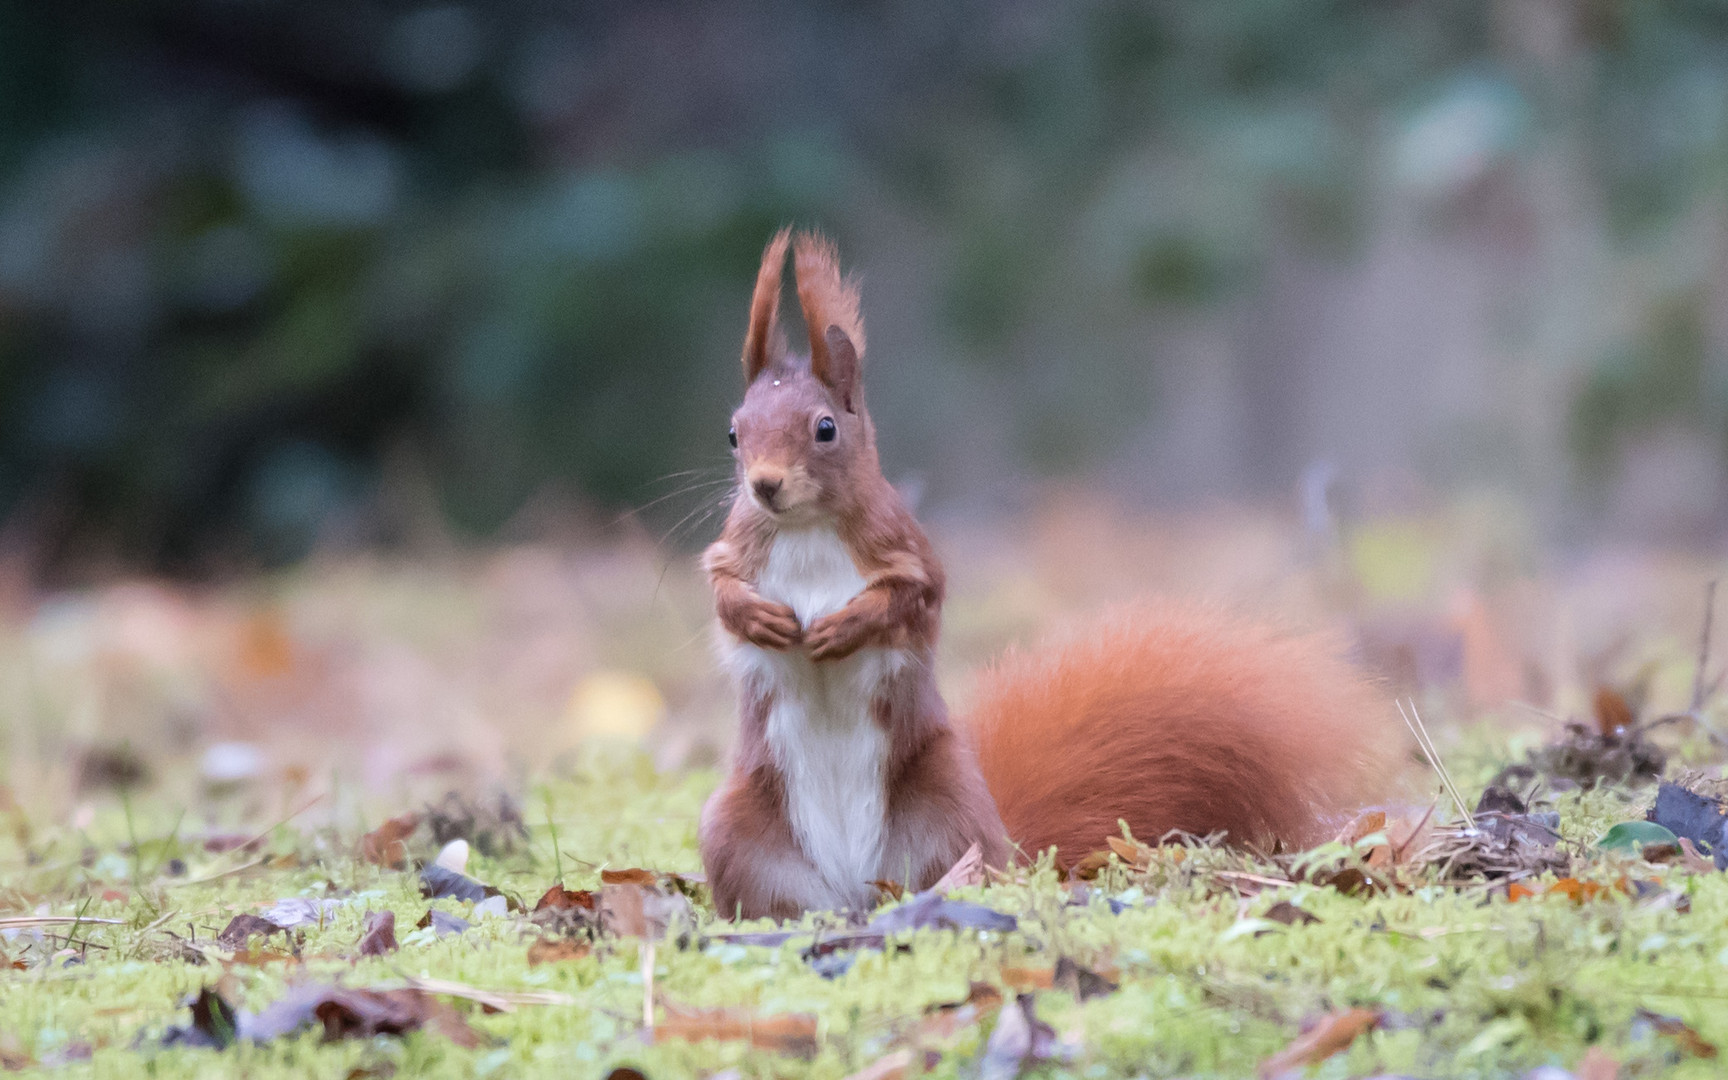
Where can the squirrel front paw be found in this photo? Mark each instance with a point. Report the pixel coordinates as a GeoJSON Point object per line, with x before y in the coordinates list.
{"type": "Point", "coordinates": [766, 624]}
{"type": "Point", "coordinates": [836, 636]}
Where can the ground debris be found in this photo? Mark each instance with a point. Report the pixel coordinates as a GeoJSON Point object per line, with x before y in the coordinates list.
{"type": "Point", "coordinates": [1331, 1034]}
{"type": "Point", "coordinates": [1695, 817]}
{"type": "Point", "coordinates": [342, 1011]}
{"type": "Point", "coordinates": [786, 1033]}
{"type": "Point", "coordinates": [1503, 839]}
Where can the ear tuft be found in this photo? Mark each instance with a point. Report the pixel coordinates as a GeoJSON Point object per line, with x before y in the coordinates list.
{"type": "Point", "coordinates": [842, 369]}
{"type": "Point", "coordinates": [763, 341]}
{"type": "Point", "coordinates": [830, 304]}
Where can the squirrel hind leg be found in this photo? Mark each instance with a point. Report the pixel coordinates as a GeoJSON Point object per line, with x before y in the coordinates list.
{"type": "Point", "coordinates": [754, 866]}
{"type": "Point", "coordinates": [939, 807]}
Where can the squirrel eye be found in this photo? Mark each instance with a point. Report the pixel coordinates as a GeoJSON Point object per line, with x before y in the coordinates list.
{"type": "Point", "coordinates": [732, 436]}
{"type": "Point", "coordinates": [825, 429]}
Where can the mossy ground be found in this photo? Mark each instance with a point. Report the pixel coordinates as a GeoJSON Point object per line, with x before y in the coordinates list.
{"type": "Point", "coordinates": [372, 670]}
{"type": "Point", "coordinates": [1472, 985]}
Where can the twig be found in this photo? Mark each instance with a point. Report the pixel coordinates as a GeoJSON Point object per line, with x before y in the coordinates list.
{"type": "Point", "coordinates": [648, 989]}
{"type": "Point", "coordinates": [1698, 693]}
{"type": "Point", "coordinates": [26, 922]}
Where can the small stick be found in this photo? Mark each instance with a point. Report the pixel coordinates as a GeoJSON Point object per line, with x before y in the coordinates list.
{"type": "Point", "coordinates": [648, 989]}
{"type": "Point", "coordinates": [1698, 693]}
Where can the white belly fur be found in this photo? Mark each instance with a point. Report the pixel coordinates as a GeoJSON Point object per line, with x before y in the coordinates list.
{"type": "Point", "coordinates": [829, 748]}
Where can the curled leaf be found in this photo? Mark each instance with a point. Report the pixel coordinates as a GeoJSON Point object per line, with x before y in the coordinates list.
{"type": "Point", "coordinates": [1332, 1034]}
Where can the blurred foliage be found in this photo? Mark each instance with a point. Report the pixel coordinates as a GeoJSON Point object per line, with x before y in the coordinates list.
{"type": "Point", "coordinates": [255, 256]}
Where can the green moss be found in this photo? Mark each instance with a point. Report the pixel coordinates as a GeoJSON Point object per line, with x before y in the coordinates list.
{"type": "Point", "coordinates": [1472, 985]}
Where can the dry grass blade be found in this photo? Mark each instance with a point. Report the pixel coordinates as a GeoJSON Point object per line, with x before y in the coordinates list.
{"type": "Point", "coordinates": [1432, 753]}
{"type": "Point", "coordinates": [496, 1000]}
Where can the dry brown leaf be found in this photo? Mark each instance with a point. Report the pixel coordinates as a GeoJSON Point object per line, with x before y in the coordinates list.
{"type": "Point", "coordinates": [1026, 979]}
{"type": "Point", "coordinates": [1132, 852]}
{"type": "Point", "coordinates": [967, 870]}
{"type": "Point", "coordinates": [1088, 867]}
{"type": "Point", "coordinates": [947, 1021]}
{"type": "Point", "coordinates": [786, 1033]}
{"type": "Point", "coordinates": [553, 950]}
{"type": "Point", "coordinates": [894, 1066]}
{"type": "Point", "coordinates": [1366, 824]}
{"type": "Point", "coordinates": [386, 845]}
{"type": "Point", "coordinates": [888, 890]}
{"type": "Point", "coordinates": [1289, 914]}
{"type": "Point", "coordinates": [629, 877]}
{"type": "Point", "coordinates": [1681, 1032]}
{"type": "Point", "coordinates": [559, 897]}
{"type": "Point", "coordinates": [380, 934]}
{"type": "Point", "coordinates": [1332, 1034]}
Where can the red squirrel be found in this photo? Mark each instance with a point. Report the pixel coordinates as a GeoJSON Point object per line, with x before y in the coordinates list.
{"type": "Point", "coordinates": [848, 769]}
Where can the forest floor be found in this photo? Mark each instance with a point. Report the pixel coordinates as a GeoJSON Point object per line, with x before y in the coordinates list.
{"type": "Point", "coordinates": [199, 839]}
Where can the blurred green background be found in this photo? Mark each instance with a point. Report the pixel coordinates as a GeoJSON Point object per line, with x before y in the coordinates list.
{"type": "Point", "coordinates": [283, 273]}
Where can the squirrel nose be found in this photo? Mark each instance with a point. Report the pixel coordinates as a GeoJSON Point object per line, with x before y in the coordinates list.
{"type": "Point", "coordinates": [766, 488]}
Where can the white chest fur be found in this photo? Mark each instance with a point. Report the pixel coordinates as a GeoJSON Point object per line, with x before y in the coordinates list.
{"type": "Point", "coordinates": [830, 749]}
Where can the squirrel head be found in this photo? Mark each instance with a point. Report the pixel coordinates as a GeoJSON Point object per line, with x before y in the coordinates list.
{"type": "Point", "coordinates": [804, 443]}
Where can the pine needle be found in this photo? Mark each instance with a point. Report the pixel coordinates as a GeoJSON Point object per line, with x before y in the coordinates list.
{"type": "Point", "coordinates": [1423, 740]}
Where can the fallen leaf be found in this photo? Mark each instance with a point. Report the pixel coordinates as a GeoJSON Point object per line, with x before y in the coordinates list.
{"type": "Point", "coordinates": [894, 1066]}
{"type": "Point", "coordinates": [1132, 852]}
{"type": "Point", "coordinates": [554, 950]}
{"type": "Point", "coordinates": [1332, 1034]}
{"type": "Point", "coordinates": [442, 923]}
{"type": "Point", "coordinates": [387, 845]}
{"type": "Point", "coordinates": [347, 1013]}
{"type": "Point", "coordinates": [888, 890]}
{"type": "Point", "coordinates": [1018, 1040]}
{"type": "Point", "coordinates": [298, 911]}
{"type": "Point", "coordinates": [240, 929]}
{"type": "Point", "coordinates": [1083, 983]}
{"type": "Point", "coordinates": [1089, 866]}
{"type": "Point", "coordinates": [558, 897]}
{"type": "Point", "coordinates": [1631, 836]}
{"type": "Point", "coordinates": [1348, 880]}
{"type": "Point", "coordinates": [631, 910]}
{"type": "Point", "coordinates": [930, 911]}
{"type": "Point", "coordinates": [436, 883]}
{"type": "Point", "coordinates": [1681, 1032]}
{"type": "Point", "coordinates": [1367, 824]}
{"type": "Point", "coordinates": [1289, 914]}
{"type": "Point", "coordinates": [1024, 980]}
{"type": "Point", "coordinates": [379, 934]}
{"type": "Point", "coordinates": [629, 877]}
{"type": "Point", "coordinates": [1695, 817]}
{"type": "Point", "coordinates": [967, 871]}
{"type": "Point", "coordinates": [786, 1033]}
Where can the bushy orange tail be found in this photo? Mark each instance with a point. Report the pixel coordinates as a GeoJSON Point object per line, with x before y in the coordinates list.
{"type": "Point", "coordinates": [1180, 717]}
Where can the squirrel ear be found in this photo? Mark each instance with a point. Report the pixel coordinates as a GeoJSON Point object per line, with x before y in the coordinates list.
{"type": "Point", "coordinates": [763, 341]}
{"type": "Point", "coordinates": [830, 304]}
{"type": "Point", "coordinates": [841, 371]}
